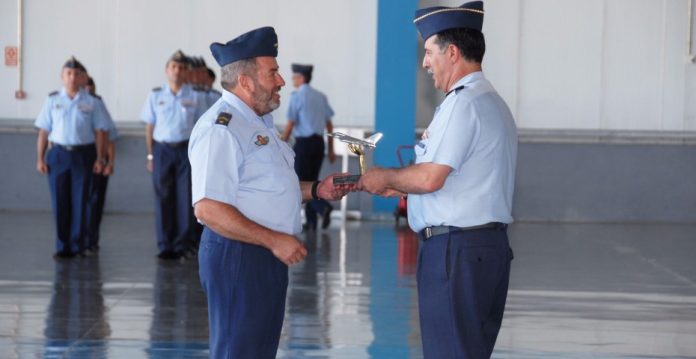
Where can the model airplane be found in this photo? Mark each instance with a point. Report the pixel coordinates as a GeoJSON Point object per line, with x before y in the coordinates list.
{"type": "Point", "coordinates": [367, 142]}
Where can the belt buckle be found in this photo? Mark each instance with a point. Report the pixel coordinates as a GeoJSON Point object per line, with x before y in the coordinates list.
{"type": "Point", "coordinates": [428, 232]}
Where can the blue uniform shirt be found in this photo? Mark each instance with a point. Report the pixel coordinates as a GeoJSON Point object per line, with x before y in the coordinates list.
{"type": "Point", "coordinates": [72, 122]}
{"type": "Point", "coordinates": [173, 115]}
{"type": "Point", "coordinates": [245, 164]}
{"type": "Point", "coordinates": [111, 132]}
{"type": "Point", "coordinates": [309, 110]}
{"type": "Point", "coordinates": [474, 133]}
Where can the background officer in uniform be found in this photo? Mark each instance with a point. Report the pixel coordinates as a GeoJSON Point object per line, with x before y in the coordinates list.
{"type": "Point", "coordinates": [247, 194]}
{"type": "Point", "coordinates": [459, 191]}
{"type": "Point", "coordinates": [74, 122]}
{"type": "Point", "coordinates": [309, 114]}
{"type": "Point", "coordinates": [170, 113]}
{"type": "Point", "coordinates": [100, 180]}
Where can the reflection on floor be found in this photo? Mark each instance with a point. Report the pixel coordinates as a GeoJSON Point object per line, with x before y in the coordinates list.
{"type": "Point", "coordinates": [577, 291]}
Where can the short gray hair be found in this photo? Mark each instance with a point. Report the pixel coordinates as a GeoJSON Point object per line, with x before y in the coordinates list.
{"type": "Point", "coordinates": [229, 74]}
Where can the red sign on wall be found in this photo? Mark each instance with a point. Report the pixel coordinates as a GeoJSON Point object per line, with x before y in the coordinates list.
{"type": "Point", "coordinates": [11, 55]}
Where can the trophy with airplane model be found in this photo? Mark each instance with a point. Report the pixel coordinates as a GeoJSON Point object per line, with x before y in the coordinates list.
{"type": "Point", "coordinates": [357, 146]}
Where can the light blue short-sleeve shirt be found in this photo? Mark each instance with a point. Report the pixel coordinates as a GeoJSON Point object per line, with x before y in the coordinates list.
{"type": "Point", "coordinates": [173, 115]}
{"type": "Point", "coordinates": [73, 121]}
{"type": "Point", "coordinates": [309, 110]}
{"type": "Point", "coordinates": [474, 133]}
{"type": "Point", "coordinates": [245, 164]}
{"type": "Point", "coordinates": [111, 132]}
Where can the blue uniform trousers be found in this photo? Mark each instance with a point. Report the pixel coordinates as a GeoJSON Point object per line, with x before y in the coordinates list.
{"type": "Point", "coordinates": [69, 180]}
{"type": "Point", "coordinates": [97, 197]}
{"type": "Point", "coordinates": [171, 177]}
{"type": "Point", "coordinates": [462, 288]}
{"type": "Point", "coordinates": [309, 156]}
{"type": "Point", "coordinates": [246, 288]}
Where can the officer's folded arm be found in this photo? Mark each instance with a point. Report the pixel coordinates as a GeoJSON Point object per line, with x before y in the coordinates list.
{"type": "Point", "coordinates": [421, 178]}
{"type": "Point", "coordinates": [227, 221]}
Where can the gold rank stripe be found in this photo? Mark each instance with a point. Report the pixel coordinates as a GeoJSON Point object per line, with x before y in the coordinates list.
{"type": "Point", "coordinates": [447, 10]}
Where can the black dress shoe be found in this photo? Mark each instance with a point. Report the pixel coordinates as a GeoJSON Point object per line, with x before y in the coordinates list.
{"type": "Point", "coordinates": [63, 255]}
{"type": "Point", "coordinates": [326, 217]}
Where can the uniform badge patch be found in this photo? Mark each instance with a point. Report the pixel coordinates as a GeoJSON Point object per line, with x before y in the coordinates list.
{"type": "Point", "coordinates": [261, 140]}
{"type": "Point", "coordinates": [223, 118]}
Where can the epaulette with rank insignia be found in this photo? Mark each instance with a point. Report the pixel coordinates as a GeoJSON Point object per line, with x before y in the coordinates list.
{"type": "Point", "coordinates": [97, 96]}
{"type": "Point", "coordinates": [53, 93]}
{"type": "Point", "coordinates": [198, 88]}
{"type": "Point", "coordinates": [223, 118]}
{"type": "Point", "coordinates": [455, 90]}
{"type": "Point", "coordinates": [157, 89]}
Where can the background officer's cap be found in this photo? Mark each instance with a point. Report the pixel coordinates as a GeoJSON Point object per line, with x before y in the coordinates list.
{"type": "Point", "coordinates": [180, 57]}
{"type": "Point", "coordinates": [198, 63]}
{"type": "Point", "coordinates": [432, 20]}
{"type": "Point", "coordinates": [72, 63]}
{"type": "Point", "coordinates": [305, 70]}
{"type": "Point", "coordinates": [255, 43]}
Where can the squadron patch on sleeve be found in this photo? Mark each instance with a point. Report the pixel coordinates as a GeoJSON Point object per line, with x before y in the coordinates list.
{"type": "Point", "coordinates": [223, 118]}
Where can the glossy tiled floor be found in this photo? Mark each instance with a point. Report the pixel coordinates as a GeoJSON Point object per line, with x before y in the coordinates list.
{"type": "Point", "coordinates": [577, 291]}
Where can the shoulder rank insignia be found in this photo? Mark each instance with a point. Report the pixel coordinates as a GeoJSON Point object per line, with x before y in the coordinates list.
{"type": "Point", "coordinates": [157, 89]}
{"type": "Point", "coordinates": [455, 90]}
{"type": "Point", "coordinates": [261, 140]}
{"type": "Point", "coordinates": [53, 93]}
{"type": "Point", "coordinates": [223, 118]}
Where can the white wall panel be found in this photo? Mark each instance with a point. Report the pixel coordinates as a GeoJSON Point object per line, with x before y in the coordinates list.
{"type": "Point", "coordinates": [125, 44]}
{"type": "Point", "coordinates": [560, 64]}
{"type": "Point", "coordinates": [633, 65]}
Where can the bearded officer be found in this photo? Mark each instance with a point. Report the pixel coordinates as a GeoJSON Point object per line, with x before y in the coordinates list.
{"type": "Point", "coordinates": [247, 194]}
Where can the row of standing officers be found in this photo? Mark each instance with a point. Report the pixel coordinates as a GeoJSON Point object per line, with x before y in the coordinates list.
{"type": "Point", "coordinates": [76, 149]}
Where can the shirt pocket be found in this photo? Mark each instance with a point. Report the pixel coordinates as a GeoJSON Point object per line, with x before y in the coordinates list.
{"type": "Point", "coordinates": [421, 148]}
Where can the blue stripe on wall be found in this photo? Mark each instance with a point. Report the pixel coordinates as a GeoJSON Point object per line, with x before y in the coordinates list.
{"type": "Point", "coordinates": [395, 112]}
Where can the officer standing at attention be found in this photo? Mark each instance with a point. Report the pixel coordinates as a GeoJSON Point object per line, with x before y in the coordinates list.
{"type": "Point", "coordinates": [309, 114]}
{"type": "Point", "coordinates": [75, 124]}
{"type": "Point", "coordinates": [100, 181]}
{"type": "Point", "coordinates": [170, 113]}
{"type": "Point", "coordinates": [459, 191]}
{"type": "Point", "coordinates": [248, 196]}
{"type": "Point", "coordinates": [201, 81]}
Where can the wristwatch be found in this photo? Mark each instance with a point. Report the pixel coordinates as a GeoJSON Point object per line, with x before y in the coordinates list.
{"type": "Point", "coordinates": [149, 157]}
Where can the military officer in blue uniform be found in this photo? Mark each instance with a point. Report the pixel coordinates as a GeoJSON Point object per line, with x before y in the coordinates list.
{"type": "Point", "coordinates": [170, 113]}
{"type": "Point", "coordinates": [201, 81]}
{"type": "Point", "coordinates": [247, 194]}
{"type": "Point", "coordinates": [459, 191]}
{"type": "Point", "coordinates": [75, 125]}
{"type": "Point", "coordinates": [97, 196]}
{"type": "Point", "coordinates": [309, 114]}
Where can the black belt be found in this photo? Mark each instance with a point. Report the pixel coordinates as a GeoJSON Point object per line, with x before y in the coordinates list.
{"type": "Point", "coordinates": [72, 147]}
{"type": "Point", "coordinates": [174, 144]}
{"type": "Point", "coordinates": [428, 232]}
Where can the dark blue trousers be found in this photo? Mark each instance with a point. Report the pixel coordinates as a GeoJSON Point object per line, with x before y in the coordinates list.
{"type": "Point", "coordinates": [309, 156]}
{"type": "Point", "coordinates": [97, 197]}
{"type": "Point", "coordinates": [246, 288]}
{"type": "Point", "coordinates": [171, 177]}
{"type": "Point", "coordinates": [69, 180]}
{"type": "Point", "coordinates": [462, 288]}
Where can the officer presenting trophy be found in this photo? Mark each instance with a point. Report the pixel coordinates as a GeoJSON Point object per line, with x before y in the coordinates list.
{"type": "Point", "coordinates": [357, 146]}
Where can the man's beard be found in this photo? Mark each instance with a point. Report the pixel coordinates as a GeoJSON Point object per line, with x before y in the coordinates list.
{"type": "Point", "coordinates": [263, 100]}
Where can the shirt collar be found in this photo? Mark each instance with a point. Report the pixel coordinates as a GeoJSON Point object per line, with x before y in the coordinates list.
{"type": "Point", "coordinates": [468, 79]}
{"type": "Point", "coordinates": [64, 93]}
{"type": "Point", "coordinates": [251, 116]}
{"type": "Point", "coordinates": [182, 91]}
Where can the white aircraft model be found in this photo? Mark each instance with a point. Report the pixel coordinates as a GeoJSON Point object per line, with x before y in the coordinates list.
{"type": "Point", "coordinates": [367, 142]}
